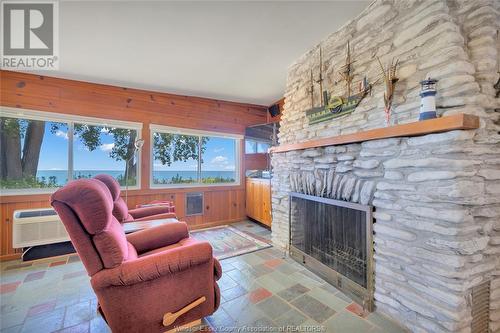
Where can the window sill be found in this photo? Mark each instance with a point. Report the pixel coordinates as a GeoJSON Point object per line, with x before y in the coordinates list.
{"type": "Point", "coordinates": [193, 185]}
{"type": "Point", "coordinates": [28, 191]}
{"type": "Point", "coordinates": [36, 191]}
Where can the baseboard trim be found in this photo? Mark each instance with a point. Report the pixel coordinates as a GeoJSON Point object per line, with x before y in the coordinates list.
{"type": "Point", "coordinates": [213, 224]}
{"type": "Point", "coordinates": [8, 257]}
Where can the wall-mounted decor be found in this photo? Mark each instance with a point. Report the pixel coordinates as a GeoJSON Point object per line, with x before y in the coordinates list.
{"type": "Point", "coordinates": [334, 106]}
{"type": "Point", "coordinates": [497, 85]}
{"type": "Point", "coordinates": [320, 78]}
{"type": "Point", "coordinates": [311, 89]}
{"type": "Point", "coordinates": [390, 79]}
{"type": "Point", "coordinates": [428, 99]}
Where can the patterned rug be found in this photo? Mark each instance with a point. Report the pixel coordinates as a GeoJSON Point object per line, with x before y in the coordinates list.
{"type": "Point", "coordinates": [229, 242]}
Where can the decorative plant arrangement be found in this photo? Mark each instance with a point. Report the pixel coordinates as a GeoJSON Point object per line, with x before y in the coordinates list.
{"type": "Point", "coordinates": [390, 79]}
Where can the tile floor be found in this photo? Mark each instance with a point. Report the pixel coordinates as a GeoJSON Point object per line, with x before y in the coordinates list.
{"type": "Point", "coordinates": [262, 289]}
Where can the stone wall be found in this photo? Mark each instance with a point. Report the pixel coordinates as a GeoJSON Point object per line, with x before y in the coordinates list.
{"type": "Point", "coordinates": [436, 197]}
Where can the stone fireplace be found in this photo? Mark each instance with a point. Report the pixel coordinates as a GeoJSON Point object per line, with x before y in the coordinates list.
{"type": "Point", "coordinates": [435, 197]}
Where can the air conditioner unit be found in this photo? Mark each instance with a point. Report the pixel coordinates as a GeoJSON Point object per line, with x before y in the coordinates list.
{"type": "Point", "coordinates": [37, 227]}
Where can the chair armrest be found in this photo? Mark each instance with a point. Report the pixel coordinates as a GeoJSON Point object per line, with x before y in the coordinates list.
{"type": "Point", "coordinates": [159, 236]}
{"type": "Point", "coordinates": [138, 213]}
{"type": "Point", "coordinates": [155, 217]}
{"type": "Point", "coordinates": [154, 266]}
{"type": "Point", "coordinates": [217, 269]}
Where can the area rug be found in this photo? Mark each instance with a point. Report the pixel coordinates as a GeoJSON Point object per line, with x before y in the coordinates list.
{"type": "Point", "coordinates": [229, 242]}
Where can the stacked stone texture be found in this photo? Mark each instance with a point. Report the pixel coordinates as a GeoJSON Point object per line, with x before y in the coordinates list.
{"type": "Point", "coordinates": [436, 197]}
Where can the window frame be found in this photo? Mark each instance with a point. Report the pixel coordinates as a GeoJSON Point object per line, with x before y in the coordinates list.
{"type": "Point", "coordinates": [70, 120]}
{"type": "Point", "coordinates": [257, 141]}
{"type": "Point", "coordinates": [155, 128]}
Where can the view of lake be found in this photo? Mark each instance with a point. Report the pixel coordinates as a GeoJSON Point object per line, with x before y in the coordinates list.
{"type": "Point", "coordinates": [62, 175]}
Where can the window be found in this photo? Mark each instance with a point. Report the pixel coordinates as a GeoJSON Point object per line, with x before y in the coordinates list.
{"type": "Point", "coordinates": [218, 160]}
{"type": "Point", "coordinates": [34, 154]}
{"type": "Point", "coordinates": [186, 157]}
{"type": "Point", "coordinates": [104, 149]}
{"type": "Point", "coordinates": [175, 158]}
{"type": "Point", "coordinates": [254, 146]}
{"type": "Point", "coordinates": [262, 147]}
{"type": "Point", "coordinates": [250, 146]}
{"type": "Point", "coordinates": [42, 151]}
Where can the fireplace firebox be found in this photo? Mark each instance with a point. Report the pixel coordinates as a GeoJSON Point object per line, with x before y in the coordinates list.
{"type": "Point", "coordinates": [334, 239]}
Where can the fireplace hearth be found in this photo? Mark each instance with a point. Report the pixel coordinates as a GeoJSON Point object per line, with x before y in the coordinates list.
{"type": "Point", "coordinates": [333, 238]}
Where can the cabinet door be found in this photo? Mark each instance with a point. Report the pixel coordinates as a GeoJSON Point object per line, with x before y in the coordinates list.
{"type": "Point", "coordinates": [259, 210]}
{"type": "Point", "coordinates": [250, 202]}
{"type": "Point", "coordinates": [266, 204]}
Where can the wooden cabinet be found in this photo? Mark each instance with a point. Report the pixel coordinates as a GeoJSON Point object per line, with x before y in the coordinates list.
{"type": "Point", "coordinates": [258, 200]}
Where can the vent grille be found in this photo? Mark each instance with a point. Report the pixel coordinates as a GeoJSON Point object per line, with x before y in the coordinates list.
{"type": "Point", "coordinates": [194, 203]}
{"type": "Point", "coordinates": [35, 213]}
{"type": "Point", "coordinates": [481, 308]}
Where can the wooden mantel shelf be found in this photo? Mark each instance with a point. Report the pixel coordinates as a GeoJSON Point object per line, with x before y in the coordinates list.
{"type": "Point", "coordinates": [454, 122]}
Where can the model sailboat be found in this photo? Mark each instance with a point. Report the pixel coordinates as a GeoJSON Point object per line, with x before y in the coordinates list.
{"type": "Point", "coordinates": [336, 106]}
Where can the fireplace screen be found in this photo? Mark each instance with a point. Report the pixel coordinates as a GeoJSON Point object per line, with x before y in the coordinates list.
{"type": "Point", "coordinates": [334, 239]}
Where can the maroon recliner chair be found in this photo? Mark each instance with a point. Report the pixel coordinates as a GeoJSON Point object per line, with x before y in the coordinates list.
{"type": "Point", "coordinates": [121, 211]}
{"type": "Point", "coordinates": [149, 281]}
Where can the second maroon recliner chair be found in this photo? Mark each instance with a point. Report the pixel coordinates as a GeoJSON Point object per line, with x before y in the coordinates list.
{"type": "Point", "coordinates": [148, 281]}
{"type": "Point", "coordinates": [121, 211]}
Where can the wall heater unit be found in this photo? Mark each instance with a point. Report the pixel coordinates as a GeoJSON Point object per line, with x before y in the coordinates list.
{"type": "Point", "coordinates": [194, 203]}
{"type": "Point", "coordinates": [37, 227]}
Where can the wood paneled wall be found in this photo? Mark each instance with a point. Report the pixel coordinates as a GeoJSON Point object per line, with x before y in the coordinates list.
{"type": "Point", "coordinates": [223, 204]}
{"type": "Point", "coordinates": [257, 161]}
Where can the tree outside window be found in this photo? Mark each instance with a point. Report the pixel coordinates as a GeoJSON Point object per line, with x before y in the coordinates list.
{"type": "Point", "coordinates": [34, 153]}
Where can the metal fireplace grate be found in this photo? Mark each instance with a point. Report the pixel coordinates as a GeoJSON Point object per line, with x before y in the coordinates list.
{"type": "Point", "coordinates": [334, 239]}
{"type": "Point", "coordinates": [481, 308]}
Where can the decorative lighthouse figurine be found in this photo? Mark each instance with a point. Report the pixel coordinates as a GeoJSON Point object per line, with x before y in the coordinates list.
{"type": "Point", "coordinates": [428, 99]}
